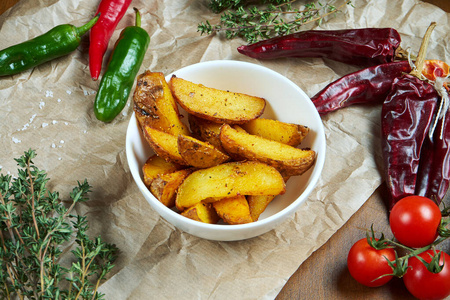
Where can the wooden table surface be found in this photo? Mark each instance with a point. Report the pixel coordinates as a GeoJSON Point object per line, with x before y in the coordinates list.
{"type": "Point", "coordinates": [324, 274]}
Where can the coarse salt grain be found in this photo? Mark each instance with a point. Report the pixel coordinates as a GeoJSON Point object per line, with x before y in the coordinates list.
{"type": "Point", "coordinates": [44, 125]}
{"type": "Point", "coordinates": [16, 140]}
{"type": "Point", "coordinates": [41, 104]}
{"type": "Point", "coordinates": [49, 94]}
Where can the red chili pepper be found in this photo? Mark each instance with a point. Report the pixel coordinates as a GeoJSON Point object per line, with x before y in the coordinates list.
{"type": "Point", "coordinates": [111, 12]}
{"type": "Point", "coordinates": [363, 47]}
{"type": "Point", "coordinates": [434, 168]}
{"type": "Point", "coordinates": [406, 117]}
{"type": "Point", "coordinates": [407, 114]}
{"type": "Point", "coordinates": [369, 86]}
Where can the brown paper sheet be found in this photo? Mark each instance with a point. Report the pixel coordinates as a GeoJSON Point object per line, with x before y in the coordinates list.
{"type": "Point", "coordinates": [49, 109]}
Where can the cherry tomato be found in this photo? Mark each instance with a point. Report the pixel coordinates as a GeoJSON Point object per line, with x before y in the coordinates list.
{"type": "Point", "coordinates": [414, 221]}
{"type": "Point", "coordinates": [366, 263]}
{"type": "Point", "coordinates": [424, 284]}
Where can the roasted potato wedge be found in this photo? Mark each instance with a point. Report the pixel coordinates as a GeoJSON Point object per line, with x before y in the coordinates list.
{"type": "Point", "coordinates": [155, 106]}
{"type": "Point", "coordinates": [164, 144]}
{"type": "Point", "coordinates": [258, 204]}
{"type": "Point", "coordinates": [155, 166]}
{"type": "Point", "coordinates": [234, 210]}
{"type": "Point", "coordinates": [288, 160]}
{"type": "Point", "coordinates": [164, 186]}
{"type": "Point", "coordinates": [200, 154]}
{"type": "Point", "coordinates": [228, 180]}
{"type": "Point", "coordinates": [202, 212]}
{"type": "Point", "coordinates": [216, 105]}
{"type": "Point", "coordinates": [206, 130]}
{"type": "Point", "coordinates": [286, 133]}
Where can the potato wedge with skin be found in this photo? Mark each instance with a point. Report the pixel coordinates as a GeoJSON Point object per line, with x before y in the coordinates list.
{"type": "Point", "coordinates": [228, 180]}
{"type": "Point", "coordinates": [164, 187]}
{"type": "Point", "coordinates": [234, 210]}
{"type": "Point", "coordinates": [258, 204]}
{"type": "Point", "coordinates": [216, 105]}
{"type": "Point", "coordinates": [202, 212]}
{"type": "Point", "coordinates": [155, 166]}
{"type": "Point", "coordinates": [206, 130]}
{"type": "Point", "coordinates": [286, 133]}
{"type": "Point", "coordinates": [164, 144]}
{"type": "Point", "coordinates": [155, 106]}
{"type": "Point", "coordinates": [200, 154]}
{"type": "Point", "coordinates": [288, 160]}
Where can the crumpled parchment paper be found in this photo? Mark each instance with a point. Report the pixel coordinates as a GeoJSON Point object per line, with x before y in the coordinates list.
{"type": "Point", "coordinates": [49, 109]}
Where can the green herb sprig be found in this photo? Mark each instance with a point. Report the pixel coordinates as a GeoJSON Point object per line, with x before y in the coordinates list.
{"type": "Point", "coordinates": [218, 6]}
{"type": "Point", "coordinates": [35, 227]}
{"type": "Point", "coordinates": [254, 23]}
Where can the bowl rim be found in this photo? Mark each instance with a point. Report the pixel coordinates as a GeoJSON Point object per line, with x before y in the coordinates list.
{"type": "Point", "coordinates": [276, 217]}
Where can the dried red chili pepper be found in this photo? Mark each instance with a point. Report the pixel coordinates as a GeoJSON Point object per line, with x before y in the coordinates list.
{"type": "Point", "coordinates": [362, 47]}
{"type": "Point", "coordinates": [434, 167]}
{"type": "Point", "coordinates": [111, 12]}
{"type": "Point", "coordinates": [406, 117]}
{"type": "Point", "coordinates": [369, 86]}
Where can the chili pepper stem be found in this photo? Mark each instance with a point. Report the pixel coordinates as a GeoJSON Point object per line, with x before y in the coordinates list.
{"type": "Point", "coordinates": [417, 71]}
{"type": "Point", "coordinates": [85, 28]}
{"type": "Point", "coordinates": [138, 17]}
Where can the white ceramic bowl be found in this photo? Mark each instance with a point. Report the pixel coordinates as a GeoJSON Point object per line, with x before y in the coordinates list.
{"type": "Point", "coordinates": [285, 102]}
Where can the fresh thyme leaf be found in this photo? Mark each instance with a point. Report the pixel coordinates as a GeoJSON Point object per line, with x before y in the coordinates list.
{"type": "Point", "coordinates": [271, 18]}
{"type": "Point", "coordinates": [34, 225]}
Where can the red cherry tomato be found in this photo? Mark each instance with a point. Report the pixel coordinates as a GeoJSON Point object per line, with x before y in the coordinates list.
{"type": "Point", "coordinates": [414, 221]}
{"type": "Point", "coordinates": [366, 263]}
{"type": "Point", "coordinates": [424, 284]}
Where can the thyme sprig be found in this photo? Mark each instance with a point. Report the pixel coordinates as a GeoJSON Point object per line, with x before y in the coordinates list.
{"type": "Point", "coordinates": [218, 6]}
{"type": "Point", "coordinates": [256, 23]}
{"type": "Point", "coordinates": [35, 227]}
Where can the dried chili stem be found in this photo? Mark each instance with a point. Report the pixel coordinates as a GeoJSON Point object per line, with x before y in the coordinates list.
{"type": "Point", "coordinates": [417, 71]}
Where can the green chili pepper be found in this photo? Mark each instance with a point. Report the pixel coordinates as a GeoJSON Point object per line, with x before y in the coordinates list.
{"type": "Point", "coordinates": [124, 64]}
{"type": "Point", "coordinates": [58, 41]}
